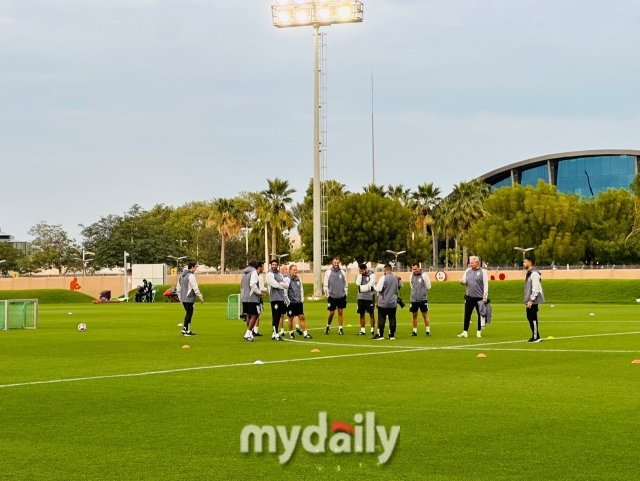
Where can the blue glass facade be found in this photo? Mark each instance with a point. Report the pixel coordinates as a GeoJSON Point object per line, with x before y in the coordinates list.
{"type": "Point", "coordinates": [503, 183]}
{"type": "Point", "coordinates": [532, 176]}
{"type": "Point", "coordinates": [585, 175]}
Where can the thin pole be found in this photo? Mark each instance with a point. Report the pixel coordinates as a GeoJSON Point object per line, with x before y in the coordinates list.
{"type": "Point", "coordinates": [373, 144]}
{"type": "Point", "coordinates": [266, 242]}
{"type": "Point", "coordinates": [317, 238]}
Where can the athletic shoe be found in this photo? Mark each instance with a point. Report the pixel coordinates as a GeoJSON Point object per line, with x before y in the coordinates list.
{"type": "Point", "coordinates": [463, 334]}
{"type": "Point", "coordinates": [277, 338]}
{"type": "Point", "coordinates": [360, 333]}
{"type": "Point", "coordinates": [308, 336]}
{"type": "Point", "coordinates": [538, 340]}
{"type": "Point", "coordinates": [299, 331]}
{"type": "Point", "coordinates": [340, 332]}
{"type": "Point", "coordinates": [292, 336]}
{"type": "Point", "coordinates": [376, 336]}
{"type": "Point", "coordinates": [257, 334]}
{"type": "Point", "coordinates": [391, 338]}
{"type": "Point", "coordinates": [428, 333]}
{"type": "Point", "coordinates": [326, 330]}
{"type": "Point", "coordinates": [248, 339]}
{"type": "Point", "coordinates": [414, 334]}
{"type": "Point", "coordinates": [479, 334]}
{"type": "Point", "coordinates": [531, 340]}
{"type": "Point", "coordinates": [189, 334]}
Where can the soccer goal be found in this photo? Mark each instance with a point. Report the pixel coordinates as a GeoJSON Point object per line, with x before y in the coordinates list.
{"type": "Point", "coordinates": [18, 314]}
{"type": "Point", "coordinates": [233, 307]}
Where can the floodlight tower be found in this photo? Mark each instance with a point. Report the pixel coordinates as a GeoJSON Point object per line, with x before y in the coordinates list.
{"type": "Point", "coordinates": [316, 14]}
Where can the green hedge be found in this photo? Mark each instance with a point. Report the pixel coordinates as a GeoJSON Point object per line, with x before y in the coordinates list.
{"type": "Point", "coordinates": [48, 296]}
{"type": "Point", "coordinates": [505, 292]}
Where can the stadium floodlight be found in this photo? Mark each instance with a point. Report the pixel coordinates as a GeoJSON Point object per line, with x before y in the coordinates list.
{"type": "Point", "coordinates": [316, 14]}
{"type": "Point", "coordinates": [396, 254]}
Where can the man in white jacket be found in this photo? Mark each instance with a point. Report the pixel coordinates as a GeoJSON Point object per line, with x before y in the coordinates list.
{"type": "Point", "coordinates": [365, 283]}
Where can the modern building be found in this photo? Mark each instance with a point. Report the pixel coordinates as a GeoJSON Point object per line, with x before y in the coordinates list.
{"type": "Point", "coordinates": [585, 173]}
{"type": "Point", "coordinates": [23, 247]}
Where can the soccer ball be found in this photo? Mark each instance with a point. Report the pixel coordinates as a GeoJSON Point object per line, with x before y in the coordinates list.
{"type": "Point", "coordinates": [82, 327]}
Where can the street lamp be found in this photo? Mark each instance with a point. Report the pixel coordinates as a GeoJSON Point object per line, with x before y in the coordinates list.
{"type": "Point", "coordinates": [126, 291]}
{"type": "Point", "coordinates": [524, 251]}
{"type": "Point", "coordinates": [279, 256]}
{"type": "Point", "coordinates": [177, 259]}
{"type": "Point", "coordinates": [396, 254]}
{"type": "Point", "coordinates": [316, 14]}
{"type": "Point", "coordinates": [85, 261]}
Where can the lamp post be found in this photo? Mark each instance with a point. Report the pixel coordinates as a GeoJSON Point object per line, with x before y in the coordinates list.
{"type": "Point", "coordinates": [279, 256]}
{"type": "Point", "coordinates": [85, 261]}
{"type": "Point", "coordinates": [524, 251]}
{"type": "Point", "coordinates": [126, 291]}
{"type": "Point", "coordinates": [396, 254]}
{"type": "Point", "coordinates": [177, 259]}
{"type": "Point", "coordinates": [316, 14]}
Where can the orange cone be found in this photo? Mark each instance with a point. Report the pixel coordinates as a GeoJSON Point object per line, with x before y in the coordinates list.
{"type": "Point", "coordinates": [637, 361]}
{"type": "Point", "coordinates": [316, 350]}
{"type": "Point", "coordinates": [185, 347]}
{"type": "Point", "coordinates": [481, 355]}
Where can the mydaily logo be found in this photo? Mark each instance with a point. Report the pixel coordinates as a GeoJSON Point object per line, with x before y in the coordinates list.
{"type": "Point", "coordinates": [346, 438]}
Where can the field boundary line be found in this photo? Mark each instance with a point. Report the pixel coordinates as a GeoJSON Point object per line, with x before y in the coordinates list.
{"type": "Point", "coordinates": [605, 351]}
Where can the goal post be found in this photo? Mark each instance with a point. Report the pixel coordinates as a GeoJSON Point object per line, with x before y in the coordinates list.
{"type": "Point", "coordinates": [18, 314]}
{"type": "Point", "coordinates": [234, 306]}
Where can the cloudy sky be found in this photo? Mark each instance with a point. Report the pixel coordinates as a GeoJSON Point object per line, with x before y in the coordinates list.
{"type": "Point", "coordinates": [109, 103]}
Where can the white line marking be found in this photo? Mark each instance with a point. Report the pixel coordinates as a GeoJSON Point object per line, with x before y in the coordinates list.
{"type": "Point", "coordinates": [553, 350]}
{"type": "Point", "coordinates": [199, 368]}
{"type": "Point", "coordinates": [376, 345]}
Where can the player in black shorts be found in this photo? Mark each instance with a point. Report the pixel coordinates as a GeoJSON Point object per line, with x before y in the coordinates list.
{"type": "Point", "coordinates": [336, 289]}
{"type": "Point", "coordinates": [295, 303]}
{"type": "Point", "coordinates": [420, 285]}
{"type": "Point", "coordinates": [365, 282]}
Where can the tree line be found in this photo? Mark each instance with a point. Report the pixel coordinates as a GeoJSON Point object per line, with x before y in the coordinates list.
{"type": "Point", "coordinates": [362, 226]}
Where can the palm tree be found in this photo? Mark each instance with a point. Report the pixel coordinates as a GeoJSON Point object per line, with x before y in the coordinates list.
{"type": "Point", "coordinates": [278, 198]}
{"type": "Point", "coordinates": [375, 189]}
{"type": "Point", "coordinates": [227, 217]}
{"type": "Point", "coordinates": [468, 207]}
{"type": "Point", "coordinates": [400, 194]}
{"type": "Point", "coordinates": [425, 199]}
{"type": "Point", "coordinates": [444, 223]}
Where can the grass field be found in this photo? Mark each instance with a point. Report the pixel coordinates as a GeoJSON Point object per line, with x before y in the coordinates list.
{"type": "Point", "coordinates": [125, 401]}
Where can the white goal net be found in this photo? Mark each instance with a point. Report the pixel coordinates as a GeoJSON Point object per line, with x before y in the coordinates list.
{"type": "Point", "coordinates": [18, 314]}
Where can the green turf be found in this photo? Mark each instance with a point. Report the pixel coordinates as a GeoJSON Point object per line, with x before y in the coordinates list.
{"type": "Point", "coordinates": [561, 409]}
{"type": "Point", "coordinates": [48, 296]}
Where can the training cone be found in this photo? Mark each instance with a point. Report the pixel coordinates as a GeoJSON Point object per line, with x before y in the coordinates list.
{"type": "Point", "coordinates": [316, 350]}
{"type": "Point", "coordinates": [180, 325]}
{"type": "Point", "coordinates": [636, 361]}
{"type": "Point", "coordinates": [258, 362]}
{"type": "Point", "coordinates": [592, 314]}
{"type": "Point", "coordinates": [185, 347]}
{"type": "Point", "coordinates": [481, 355]}
{"type": "Point", "coordinates": [550, 337]}
{"type": "Point", "coordinates": [349, 325]}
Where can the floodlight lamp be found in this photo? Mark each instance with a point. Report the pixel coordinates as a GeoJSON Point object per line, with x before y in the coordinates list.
{"type": "Point", "coordinates": [284, 17]}
{"type": "Point", "coordinates": [344, 12]}
{"type": "Point", "coordinates": [324, 13]}
{"type": "Point", "coordinates": [302, 16]}
{"type": "Point", "coordinates": [283, 2]}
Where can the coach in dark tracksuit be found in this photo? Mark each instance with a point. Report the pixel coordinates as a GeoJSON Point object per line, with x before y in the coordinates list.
{"type": "Point", "coordinates": [533, 296]}
{"type": "Point", "coordinates": [477, 282]}
{"type": "Point", "coordinates": [387, 288]}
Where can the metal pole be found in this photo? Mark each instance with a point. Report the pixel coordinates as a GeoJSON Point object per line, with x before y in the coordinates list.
{"type": "Point", "coordinates": [266, 242]}
{"type": "Point", "coordinates": [246, 240]}
{"type": "Point", "coordinates": [317, 240]}
{"type": "Point", "coordinates": [373, 145]}
{"type": "Point", "coordinates": [125, 277]}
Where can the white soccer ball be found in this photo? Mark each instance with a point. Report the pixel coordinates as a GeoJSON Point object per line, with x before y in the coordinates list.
{"type": "Point", "coordinates": [82, 327]}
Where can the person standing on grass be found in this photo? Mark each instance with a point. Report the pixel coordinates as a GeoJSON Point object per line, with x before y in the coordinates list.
{"type": "Point", "coordinates": [477, 282]}
{"type": "Point", "coordinates": [533, 296]}
{"type": "Point", "coordinates": [277, 291]}
{"type": "Point", "coordinates": [336, 289]}
{"type": "Point", "coordinates": [284, 272]}
{"type": "Point", "coordinates": [420, 285]}
{"type": "Point", "coordinates": [250, 296]}
{"type": "Point", "coordinates": [263, 290]}
{"type": "Point", "coordinates": [188, 292]}
{"type": "Point", "coordinates": [387, 288]}
{"type": "Point", "coordinates": [366, 281]}
{"type": "Point", "coordinates": [295, 309]}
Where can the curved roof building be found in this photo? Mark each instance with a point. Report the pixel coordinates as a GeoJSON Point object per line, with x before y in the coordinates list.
{"type": "Point", "coordinates": [584, 173]}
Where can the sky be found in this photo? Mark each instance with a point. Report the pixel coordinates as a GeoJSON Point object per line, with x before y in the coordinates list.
{"type": "Point", "coordinates": [109, 103]}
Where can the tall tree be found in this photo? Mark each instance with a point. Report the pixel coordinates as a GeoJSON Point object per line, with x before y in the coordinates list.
{"type": "Point", "coordinates": [468, 207]}
{"type": "Point", "coordinates": [11, 256]}
{"type": "Point", "coordinates": [52, 248]}
{"type": "Point", "coordinates": [425, 199]}
{"type": "Point", "coordinates": [400, 194]}
{"type": "Point", "coordinates": [375, 189]}
{"type": "Point", "coordinates": [278, 199]}
{"type": "Point", "coordinates": [227, 218]}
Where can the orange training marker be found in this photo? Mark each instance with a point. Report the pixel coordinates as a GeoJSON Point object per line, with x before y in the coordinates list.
{"type": "Point", "coordinates": [185, 347]}
{"type": "Point", "coordinates": [637, 361]}
{"type": "Point", "coordinates": [481, 355]}
{"type": "Point", "coordinates": [316, 350]}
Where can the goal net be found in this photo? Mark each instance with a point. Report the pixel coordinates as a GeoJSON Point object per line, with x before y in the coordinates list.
{"type": "Point", "coordinates": [18, 314]}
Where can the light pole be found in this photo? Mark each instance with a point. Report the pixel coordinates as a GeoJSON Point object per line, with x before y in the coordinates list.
{"type": "Point", "coordinates": [246, 231]}
{"type": "Point", "coordinates": [524, 251]}
{"type": "Point", "coordinates": [279, 256]}
{"type": "Point", "coordinates": [85, 261]}
{"type": "Point", "coordinates": [126, 291]}
{"type": "Point", "coordinates": [396, 254]}
{"type": "Point", "coordinates": [316, 14]}
{"type": "Point", "coordinates": [177, 259]}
